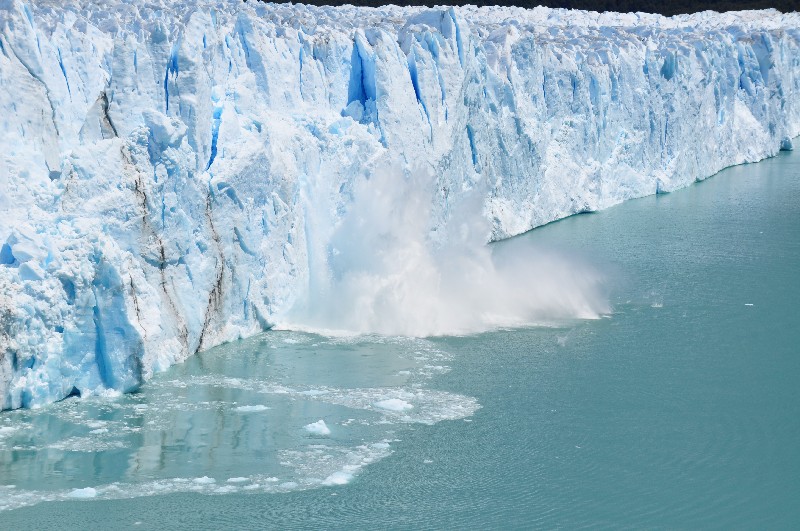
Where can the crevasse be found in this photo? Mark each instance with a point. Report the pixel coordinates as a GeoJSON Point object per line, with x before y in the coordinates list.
{"type": "Point", "coordinates": [169, 171]}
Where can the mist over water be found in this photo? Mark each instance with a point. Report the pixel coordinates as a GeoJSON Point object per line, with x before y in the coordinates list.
{"type": "Point", "coordinates": [387, 268]}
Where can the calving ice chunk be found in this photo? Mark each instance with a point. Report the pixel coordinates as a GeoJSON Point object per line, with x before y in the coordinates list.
{"type": "Point", "coordinates": [177, 175]}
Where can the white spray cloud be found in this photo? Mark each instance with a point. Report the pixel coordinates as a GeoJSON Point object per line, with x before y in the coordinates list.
{"type": "Point", "coordinates": [382, 270]}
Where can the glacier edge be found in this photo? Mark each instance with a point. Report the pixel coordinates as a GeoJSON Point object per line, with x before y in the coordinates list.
{"type": "Point", "coordinates": [170, 174]}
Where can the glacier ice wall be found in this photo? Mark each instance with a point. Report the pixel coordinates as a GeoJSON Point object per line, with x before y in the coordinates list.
{"type": "Point", "coordinates": [170, 173]}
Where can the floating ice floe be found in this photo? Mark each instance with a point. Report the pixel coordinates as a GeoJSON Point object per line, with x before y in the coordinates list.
{"type": "Point", "coordinates": [88, 492]}
{"type": "Point", "coordinates": [318, 428]}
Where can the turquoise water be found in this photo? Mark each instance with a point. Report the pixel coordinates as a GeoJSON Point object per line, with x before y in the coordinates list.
{"type": "Point", "coordinates": [681, 409]}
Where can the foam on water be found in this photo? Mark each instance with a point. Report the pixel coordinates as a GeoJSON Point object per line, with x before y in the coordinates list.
{"type": "Point", "coordinates": [87, 444]}
{"type": "Point", "coordinates": [317, 467]}
{"type": "Point", "coordinates": [129, 443]}
{"type": "Point", "coordinates": [394, 404]}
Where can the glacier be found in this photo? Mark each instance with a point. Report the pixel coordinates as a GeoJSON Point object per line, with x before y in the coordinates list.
{"type": "Point", "coordinates": [172, 174]}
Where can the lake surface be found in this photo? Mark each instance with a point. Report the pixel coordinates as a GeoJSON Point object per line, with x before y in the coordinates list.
{"type": "Point", "coordinates": [680, 409]}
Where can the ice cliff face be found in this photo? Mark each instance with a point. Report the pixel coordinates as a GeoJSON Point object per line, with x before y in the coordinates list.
{"type": "Point", "coordinates": [170, 173]}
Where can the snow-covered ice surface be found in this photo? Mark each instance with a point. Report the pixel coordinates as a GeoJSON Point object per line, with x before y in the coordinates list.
{"type": "Point", "coordinates": [186, 432]}
{"type": "Point", "coordinates": [173, 174]}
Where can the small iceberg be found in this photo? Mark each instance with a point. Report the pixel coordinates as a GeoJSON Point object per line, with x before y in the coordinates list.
{"type": "Point", "coordinates": [88, 492]}
{"type": "Point", "coordinates": [318, 428]}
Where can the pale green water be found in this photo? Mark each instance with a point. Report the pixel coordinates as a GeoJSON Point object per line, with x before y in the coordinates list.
{"type": "Point", "coordinates": [680, 410]}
